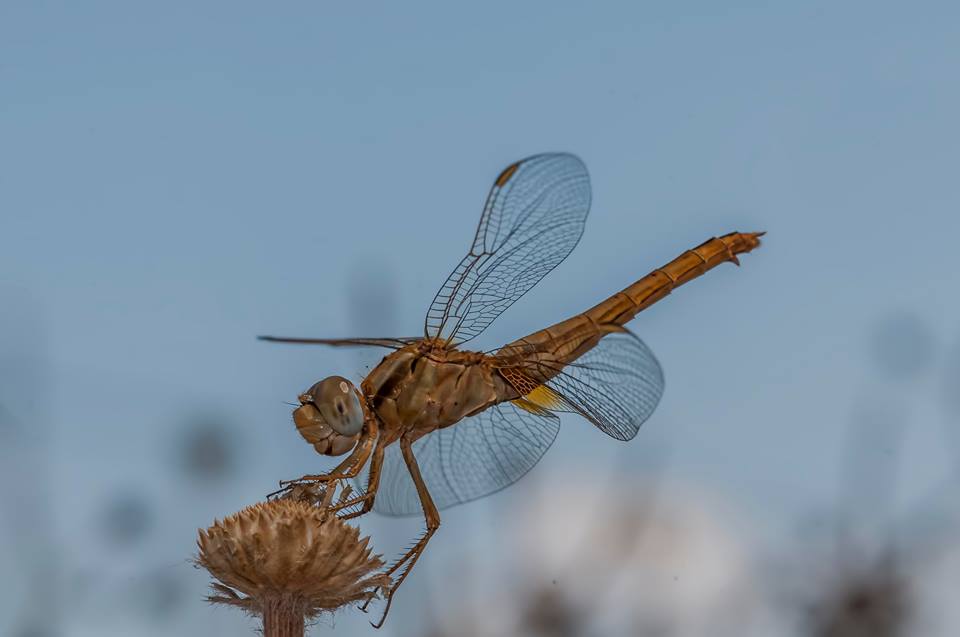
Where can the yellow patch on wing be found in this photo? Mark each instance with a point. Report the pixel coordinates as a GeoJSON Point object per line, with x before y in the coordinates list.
{"type": "Point", "coordinates": [541, 401]}
{"type": "Point", "coordinates": [535, 398]}
{"type": "Point", "coordinates": [545, 397]}
{"type": "Point", "coordinates": [533, 408]}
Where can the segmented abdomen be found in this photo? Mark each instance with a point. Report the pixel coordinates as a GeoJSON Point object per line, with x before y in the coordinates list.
{"type": "Point", "coordinates": [566, 341]}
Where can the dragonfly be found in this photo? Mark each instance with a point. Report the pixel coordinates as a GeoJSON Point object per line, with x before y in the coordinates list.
{"type": "Point", "coordinates": [434, 424]}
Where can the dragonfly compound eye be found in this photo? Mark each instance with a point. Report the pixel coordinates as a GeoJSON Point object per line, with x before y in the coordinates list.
{"type": "Point", "coordinates": [339, 405]}
{"type": "Point", "coordinates": [315, 430]}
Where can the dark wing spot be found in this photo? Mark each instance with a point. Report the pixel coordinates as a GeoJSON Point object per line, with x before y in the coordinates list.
{"type": "Point", "coordinates": [507, 174]}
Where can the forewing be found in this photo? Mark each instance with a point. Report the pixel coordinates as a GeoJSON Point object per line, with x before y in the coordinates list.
{"type": "Point", "coordinates": [616, 385]}
{"type": "Point", "coordinates": [533, 218]}
{"type": "Point", "coordinates": [390, 343]}
{"type": "Point", "coordinates": [477, 456]}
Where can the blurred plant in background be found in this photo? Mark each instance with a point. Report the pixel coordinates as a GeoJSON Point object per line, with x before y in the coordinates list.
{"type": "Point", "coordinates": [595, 559]}
{"type": "Point", "coordinates": [903, 346]}
{"type": "Point", "coordinates": [371, 307]}
{"type": "Point", "coordinates": [125, 520]}
{"type": "Point", "coordinates": [30, 605]}
{"type": "Point", "coordinates": [637, 556]}
{"type": "Point", "coordinates": [587, 558]}
{"type": "Point", "coordinates": [858, 568]}
{"type": "Point", "coordinates": [206, 448]}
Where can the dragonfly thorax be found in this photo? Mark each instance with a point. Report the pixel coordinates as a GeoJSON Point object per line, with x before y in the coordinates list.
{"type": "Point", "coordinates": [423, 388]}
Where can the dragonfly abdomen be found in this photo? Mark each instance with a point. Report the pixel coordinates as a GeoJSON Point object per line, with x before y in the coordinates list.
{"type": "Point", "coordinates": [620, 308]}
{"type": "Point", "coordinates": [548, 349]}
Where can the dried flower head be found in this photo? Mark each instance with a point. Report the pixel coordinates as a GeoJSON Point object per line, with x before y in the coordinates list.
{"type": "Point", "coordinates": [290, 554]}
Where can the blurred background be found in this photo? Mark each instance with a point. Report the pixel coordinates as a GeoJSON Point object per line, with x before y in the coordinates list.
{"type": "Point", "coordinates": [177, 178]}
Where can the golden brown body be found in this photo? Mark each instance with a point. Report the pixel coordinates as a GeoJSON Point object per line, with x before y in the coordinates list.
{"type": "Point", "coordinates": [566, 341]}
{"type": "Point", "coordinates": [425, 386]}
{"type": "Point", "coordinates": [589, 364]}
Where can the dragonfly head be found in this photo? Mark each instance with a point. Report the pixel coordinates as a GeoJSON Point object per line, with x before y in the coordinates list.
{"type": "Point", "coordinates": [330, 416]}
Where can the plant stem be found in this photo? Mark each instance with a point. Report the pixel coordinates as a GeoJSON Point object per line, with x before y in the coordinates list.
{"type": "Point", "coordinates": [282, 618]}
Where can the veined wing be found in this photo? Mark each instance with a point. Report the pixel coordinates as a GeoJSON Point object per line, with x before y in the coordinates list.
{"type": "Point", "coordinates": [533, 218]}
{"type": "Point", "coordinates": [477, 456]}
{"type": "Point", "coordinates": [616, 385]}
{"type": "Point", "coordinates": [392, 343]}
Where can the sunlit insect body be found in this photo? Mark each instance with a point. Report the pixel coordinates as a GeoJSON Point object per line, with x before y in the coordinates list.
{"type": "Point", "coordinates": [435, 425]}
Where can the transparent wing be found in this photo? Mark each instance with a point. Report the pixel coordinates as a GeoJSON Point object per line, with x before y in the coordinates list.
{"type": "Point", "coordinates": [473, 458]}
{"type": "Point", "coordinates": [391, 343]}
{"type": "Point", "coordinates": [616, 385]}
{"type": "Point", "coordinates": [533, 218]}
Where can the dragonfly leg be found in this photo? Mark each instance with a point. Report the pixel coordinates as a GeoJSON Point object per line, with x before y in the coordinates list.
{"type": "Point", "coordinates": [349, 468]}
{"type": "Point", "coordinates": [373, 483]}
{"type": "Point", "coordinates": [430, 514]}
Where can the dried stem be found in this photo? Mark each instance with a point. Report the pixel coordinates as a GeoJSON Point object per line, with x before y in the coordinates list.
{"type": "Point", "coordinates": [283, 618]}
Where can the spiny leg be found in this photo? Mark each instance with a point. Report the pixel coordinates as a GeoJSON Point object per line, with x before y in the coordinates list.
{"type": "Point", "coordinates": [430, 515]}
{"type": "Point", "coordinates": [373, 483]}
{"type": "Point", "coordinates": [349, 468]}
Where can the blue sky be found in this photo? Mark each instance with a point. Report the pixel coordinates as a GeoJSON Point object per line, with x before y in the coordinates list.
{"type": "Point", "coordinates": [177, 178]}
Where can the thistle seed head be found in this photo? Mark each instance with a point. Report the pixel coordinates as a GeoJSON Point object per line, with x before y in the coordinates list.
{"type": "Point", "coordinates": [291, 553]}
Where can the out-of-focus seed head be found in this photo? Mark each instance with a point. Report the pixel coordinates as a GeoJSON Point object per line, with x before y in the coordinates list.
{"type": "Point", "coordinates": [290, 552]}
{"type": "Point", "coordinates": [126, 519]}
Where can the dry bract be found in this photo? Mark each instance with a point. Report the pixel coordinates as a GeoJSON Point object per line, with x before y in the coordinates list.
{"type": "Point", "coordinates": [289, 553]}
